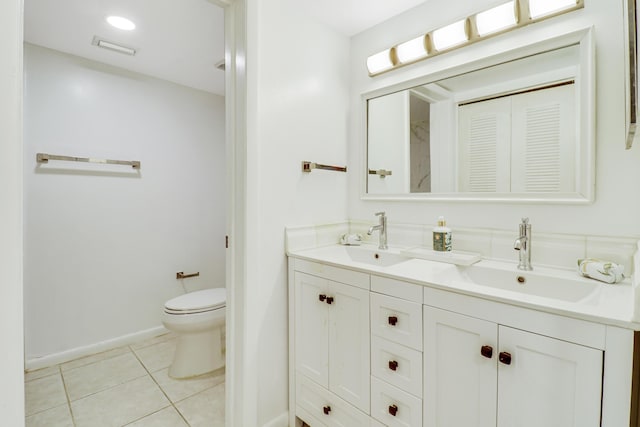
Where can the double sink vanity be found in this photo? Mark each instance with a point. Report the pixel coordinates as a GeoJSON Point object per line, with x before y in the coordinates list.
{"type": "Point", "coordinates": [379, 337]}
{"type": "Point", "coordinates": [384, 336]}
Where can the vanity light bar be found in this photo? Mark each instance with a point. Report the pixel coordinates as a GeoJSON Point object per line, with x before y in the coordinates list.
{"type": "Point", "coordinates": [497, 20]}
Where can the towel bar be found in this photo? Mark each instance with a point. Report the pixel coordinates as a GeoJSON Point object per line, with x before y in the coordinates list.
{"type": "Point", "coordinates": [309, 166]}
{"type": "Point", "coordinates": [44, 158]}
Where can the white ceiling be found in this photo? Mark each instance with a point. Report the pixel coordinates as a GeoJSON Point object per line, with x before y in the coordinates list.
{"type": "Point", "coordinates": [176, 40]}
{"type": "Point", "coordinates": [351, 17]}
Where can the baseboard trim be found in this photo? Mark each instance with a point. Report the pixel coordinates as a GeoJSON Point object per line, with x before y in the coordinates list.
{"type": "Point", "coordinates": [281, 420]}
{"type": "Point", "coordinates": [74, 353]}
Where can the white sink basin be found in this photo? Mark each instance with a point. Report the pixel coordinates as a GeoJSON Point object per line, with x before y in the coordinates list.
{"type": "Point", "coordinates": [365, 254]}
{"type": "Point", "coordinates": [374, 256]}
{"type": "Point", "coordinates": [560, 285]}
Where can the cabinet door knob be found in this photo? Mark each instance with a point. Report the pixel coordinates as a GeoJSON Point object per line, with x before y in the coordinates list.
{"type": "Point", "coordinates": [486, 351]}
{"type": "Point", "coordinates": [322, 297]}
{"type": "Point", "coordinates": [393, 410]}
{"type": "Point", "coordinates": [329, 300]}
{"type": "Point", "coordinates": [393, 320]}
{"type": "Point", "coordinates": [505, 357]}
{"type": "Point", "coordinates": [393, 365]}
{"type": "Point", "coordinates": [326, 410]}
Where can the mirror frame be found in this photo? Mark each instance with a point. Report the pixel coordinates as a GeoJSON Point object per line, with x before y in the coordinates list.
{"type": "Point", "coordinates": [585, 173]}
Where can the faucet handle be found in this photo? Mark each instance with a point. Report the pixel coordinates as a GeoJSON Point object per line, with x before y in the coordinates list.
{"type": "Point", "coordinates": [380, 213]}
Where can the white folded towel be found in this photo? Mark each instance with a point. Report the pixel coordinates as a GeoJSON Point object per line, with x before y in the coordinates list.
{"type": "Point", "coordinates": [605, 271]}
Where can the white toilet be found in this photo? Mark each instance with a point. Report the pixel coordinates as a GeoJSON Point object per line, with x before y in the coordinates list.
{"type": "Point", "coordinates": [199, 319]}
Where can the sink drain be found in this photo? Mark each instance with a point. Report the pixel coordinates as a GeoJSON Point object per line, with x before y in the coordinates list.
{"type": "Point", "coordinates": [521, 280]}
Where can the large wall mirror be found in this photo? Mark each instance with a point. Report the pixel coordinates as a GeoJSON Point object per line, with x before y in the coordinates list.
{"type": "Point", "coordinates": [514, 129]}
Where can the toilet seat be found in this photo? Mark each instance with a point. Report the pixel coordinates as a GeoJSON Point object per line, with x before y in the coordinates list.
{"type": "Point", "coordinates": [197, 302]}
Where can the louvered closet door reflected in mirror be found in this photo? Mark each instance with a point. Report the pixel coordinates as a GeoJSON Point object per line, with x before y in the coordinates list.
{"type": "Point", "coordinates": [525, 142]}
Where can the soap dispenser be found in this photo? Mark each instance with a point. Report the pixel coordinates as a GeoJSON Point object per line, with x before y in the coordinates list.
{"type": "Point", "coordinates": [442, 236]}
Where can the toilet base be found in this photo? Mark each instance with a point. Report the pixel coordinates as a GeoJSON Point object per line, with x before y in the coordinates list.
{"type": "Point", "coordinates": [197, 353]}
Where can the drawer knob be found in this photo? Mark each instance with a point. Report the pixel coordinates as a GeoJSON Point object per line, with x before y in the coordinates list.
{"type": "Point", "coordinates": [393, 365]}
{"type": "Point", "coordinates": [393, 320]}
{"type": "Point", "coordinates": [393, 410]}
{"type": "Point", "coordinates": [487, 351]}
{"type": "Point", "coordinates": [322, 297]}
{"type": "Point", "coordinates": [326, 409]}
{"type": "Point", "coordinates": [505, 358]}
{"type": "Point", "coordinates": [329, 300]}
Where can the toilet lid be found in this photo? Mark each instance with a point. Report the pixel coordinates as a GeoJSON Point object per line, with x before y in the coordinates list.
{"type": "Point", "coordinates": [205, 300]}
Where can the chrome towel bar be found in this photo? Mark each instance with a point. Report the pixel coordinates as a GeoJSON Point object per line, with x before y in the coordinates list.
{"type": "Point", "coordinates": [44, 158]}
{"type": "Point", "coordinates": [309, 166]}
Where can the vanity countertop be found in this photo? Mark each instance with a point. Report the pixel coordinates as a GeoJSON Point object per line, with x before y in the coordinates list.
{"type": "Point", "coordinates": [602, 303]}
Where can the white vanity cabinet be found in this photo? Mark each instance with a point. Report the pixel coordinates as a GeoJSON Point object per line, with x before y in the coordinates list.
{"type": "Point", "coordinates": [332, 345]}
{"type": "Point", "coordinates": [368, 349]}
{"type": "Point", "coordinates": [480, 373]}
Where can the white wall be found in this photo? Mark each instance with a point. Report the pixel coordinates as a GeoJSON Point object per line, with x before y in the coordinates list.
{"type": "Point", "coordinates": [11, 355]}
{"type": "Point", "coordinates": [103, 243]}
{"type": "Point", "coordinates": [614, 212]}
{"type": "Point", "coordinates": [297, 73]}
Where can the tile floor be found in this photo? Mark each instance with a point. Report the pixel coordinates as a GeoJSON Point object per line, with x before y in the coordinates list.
{"type": "Point", "coordinates": [127, 386]}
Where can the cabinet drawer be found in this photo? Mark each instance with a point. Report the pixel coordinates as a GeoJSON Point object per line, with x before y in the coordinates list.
{"type": "Point", "coordinates": [320, 407]}
{"type": "Point", "coordinates": [396, 288]}
{"type": "Point", "coordinates": [337, 274]}
{"type": "Point", "coordinates": [397, 320]}
{"type": "Point", "coordinates": [394, 407]}
{"type": "Point", "coordinates": [396, 364]}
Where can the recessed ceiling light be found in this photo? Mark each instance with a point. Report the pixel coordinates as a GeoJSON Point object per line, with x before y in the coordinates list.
{"type": "Point", "coordinates": [121, 23]}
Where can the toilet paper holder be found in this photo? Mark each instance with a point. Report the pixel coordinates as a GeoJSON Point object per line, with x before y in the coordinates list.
{"type": "Point", "coordinates": [181, 275]}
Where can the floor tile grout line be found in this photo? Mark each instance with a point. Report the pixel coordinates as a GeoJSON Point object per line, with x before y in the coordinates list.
{"type": "Point", "coordinates": [128, 380]}
{"type": "Point", "coordinates": [161, 389]}
{"type": "Point", "coordinates": [66, 393]}
{"type": "Point", "coordinates": [145, 416]}
{"type": "Point", "coordinates": [95, 362]}
{"type": "Point", "coordinates": [52, 407]}
{"type": "Point", "coordinates": [26, 381]}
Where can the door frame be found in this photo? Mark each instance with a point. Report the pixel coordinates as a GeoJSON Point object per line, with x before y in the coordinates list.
{"type": "Point", "coordinates": [241, 388]}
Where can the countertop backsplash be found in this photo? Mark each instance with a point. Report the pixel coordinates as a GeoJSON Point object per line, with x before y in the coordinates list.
{"type": "Point", "coordinates": [549, 250]}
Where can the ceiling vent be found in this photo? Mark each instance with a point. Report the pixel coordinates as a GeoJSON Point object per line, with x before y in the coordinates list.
{"type": "Point", "coordinates": [98, 41]}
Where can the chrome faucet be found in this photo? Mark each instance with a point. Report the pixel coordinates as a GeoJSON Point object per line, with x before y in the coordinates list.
{"type": "Point", "coordinates": [382, 228]}
{"type": "Point", "coordinates": [523, 245]}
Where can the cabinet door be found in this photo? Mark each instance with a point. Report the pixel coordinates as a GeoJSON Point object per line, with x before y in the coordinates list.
{"type": "Point", "coordinates": [311, 328]}
{"type": "Point", "coordinates": [349, 336]}
{"type": "Point", "coordinates": [548, 382]}
{"type": "Point", "coordinates": [460, 364]}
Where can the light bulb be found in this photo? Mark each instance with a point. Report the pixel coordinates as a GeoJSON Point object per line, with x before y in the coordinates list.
{"type": "Point", "coordinates": [379, 62]}
{"type": "Point", "coordinates": [496, 19]}
{"type": "Point", "coordinates": [449, 36]}
{"type": "Point", "coordinates": [539, 8]}
{"type": "Point", "coordinates": [411, 50]}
